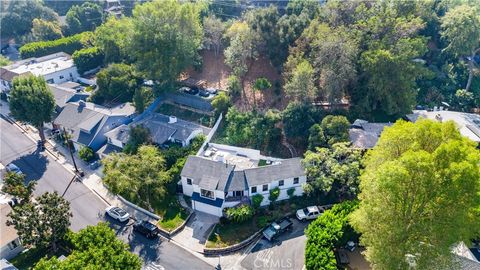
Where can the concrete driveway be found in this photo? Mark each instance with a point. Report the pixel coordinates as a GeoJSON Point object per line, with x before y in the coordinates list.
{"type": "Point", "coordinates": [287, 252]}
{"type": "Point", "coordinates": [196, 231]}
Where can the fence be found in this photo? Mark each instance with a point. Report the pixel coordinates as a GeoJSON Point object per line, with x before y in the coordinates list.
{"type": "Point", "coordinates": [226, 250]}
{"type": "Point", "coordinates": [190, 101]}
{"type": "Point", "coordinates": [210, 134]}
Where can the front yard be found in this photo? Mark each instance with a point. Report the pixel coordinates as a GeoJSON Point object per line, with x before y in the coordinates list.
{"type": "Point", "coordinates": [172, 216]}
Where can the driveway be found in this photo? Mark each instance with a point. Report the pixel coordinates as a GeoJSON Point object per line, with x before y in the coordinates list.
{"type": "Point", "coordinates": [196, 231]}
{"type": "Point", "coordinates": [287, 252]}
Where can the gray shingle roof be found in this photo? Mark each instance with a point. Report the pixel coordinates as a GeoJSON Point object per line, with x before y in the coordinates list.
{"type": "Point", "coordinates": [120, 133]}
{"type": "Point", "coordinates": [237, 182]}
{"type": "Point", "coordinates": [196, 168]}
{"type": "Point", "coordinates": [365, 135]}
{"type": "Point", "coordinates": [287, 168]}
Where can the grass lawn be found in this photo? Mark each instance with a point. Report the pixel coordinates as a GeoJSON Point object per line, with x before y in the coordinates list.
{"type": "Point", "coordinates": [173, 216]}
{"type": "Point", "coordinates": [232, 233]}
{"type": "Point", "coordinates": [199, 118]}
{"type": "Point", "coordinates": [29, 258]}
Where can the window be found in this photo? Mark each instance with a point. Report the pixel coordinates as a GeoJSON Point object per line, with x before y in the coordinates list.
{"type": "Point", "coordinates": [295, 180]}
{"type": "Point", "coordinates": [50, 81]}
{"type": "Point", "coordinates": [281, 183]}
{"type": "Point", "coordinates": [189, 181]}
{"type": "Point", "coordinates": [13, 244]}
{"type": "Point", "coordinates": [254, 189]}
{"type": "Point", "coordinates": [264, 187]}
{"type": "Point", "coordinates": [61, 77]}
{"type": "Point", "coordinates": [207, 194]}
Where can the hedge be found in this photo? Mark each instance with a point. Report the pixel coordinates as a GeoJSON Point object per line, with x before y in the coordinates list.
{"type": "Point", "coordinates": [41, 48]}
{"type": "Point", "coordinates": [88, 58]}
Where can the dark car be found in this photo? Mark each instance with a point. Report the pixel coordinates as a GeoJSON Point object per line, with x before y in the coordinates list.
{"type": "Point", "coordinates": [146, 228]}
{"type": "Point", "coordinates": [203, 93]}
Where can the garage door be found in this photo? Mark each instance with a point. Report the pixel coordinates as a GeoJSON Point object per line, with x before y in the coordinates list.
{"type": "Point", "coordinates": [206, 208]}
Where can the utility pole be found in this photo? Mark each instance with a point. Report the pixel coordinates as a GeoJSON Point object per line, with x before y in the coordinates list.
{"type": "Point", "coordinates": [71, 151]}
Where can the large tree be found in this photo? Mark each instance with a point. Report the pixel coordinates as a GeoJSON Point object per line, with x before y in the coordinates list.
{"type": "Point", "coordinates": [301, 85]}
{"type": "Point", "coordinates": [43, 30]}
{"type": "Point", "coordinates": [166, 37]}
{"type": "Point", "coordinates": [461, 29]}
{"type": "Point", "coordinates": [117, 83]}
{"type": "Point", "coordinates": [140, 178]}
{"type": "Point", "coordinates": [420, 193]}
{"type": "Point", "coordinates": [85, 17]}
{"type": "Point", "coordinates": [113, 38]}
{"type": "Point", "coordinates": [94, 247]}
{"type": "Point", "coordinates": [43, 222]}
{"type": "Point", "coordinates": [14, 184]}
{"type": "Point", "coordinates": [214, 29]}
{"type": "Point", "coordinates": [32, 102]}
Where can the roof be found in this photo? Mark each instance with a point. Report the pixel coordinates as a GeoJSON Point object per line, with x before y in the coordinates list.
{"type": "Point", "coordinates": [201, 169]}
{"type": "Point", "coordinates": [6, 265]}
{"type": "Point", "coordinates": [217, 202]}
{"type": "Point", "coordinates": [120, 133]}
{"type": "Point", "coordinates": [237, 182]}
{"type": "Point", "coordinates": [108, 149]}
{"type": "Point", "coordinates": [365, 135]}
{"type": "Point", "coordinates": [8, 232]}
{"type": "Point", "coordinates": [286, 168]}
{"type": "Point", "coordinates": [468, 123]}
{"type": "Point", "coordinates": [8, 75]}
{"type": "Point", "coordinates": [39, 66]}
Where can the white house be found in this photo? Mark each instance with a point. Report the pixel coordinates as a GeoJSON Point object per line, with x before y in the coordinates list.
{"type": "Point", "coordinates": [55, 68]}
{"type": "Point", "coordinates": [225, 176]}
{"type": "Point", "coordinates": [10, 244]}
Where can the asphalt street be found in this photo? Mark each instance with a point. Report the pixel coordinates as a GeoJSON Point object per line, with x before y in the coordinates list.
{"type": "Point", "coordinates": [86, 207]}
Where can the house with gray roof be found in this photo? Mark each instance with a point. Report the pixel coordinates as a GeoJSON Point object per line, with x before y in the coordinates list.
{"type": "Point", "coordinates": [87, 122]}
{"type": "Point", "coordinates": [364, 135]}
{"type": "Point", "coordinates": [64, 94]}
{"type": "Point", "coordinates": [225, 176]}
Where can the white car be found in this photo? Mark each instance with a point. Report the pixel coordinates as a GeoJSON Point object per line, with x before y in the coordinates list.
{"type": "Point", "coordinates": [311, 212]}
{"type": "Point", "coordinates": [117, 213]}
{"type": "Point", "coordinates": [13, 168]}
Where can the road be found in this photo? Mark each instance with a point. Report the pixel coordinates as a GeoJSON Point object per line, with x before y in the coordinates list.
{"type": "Point", "coordinates": [287, 252]}
{"type": "Point", "coordinates": [86, 207]}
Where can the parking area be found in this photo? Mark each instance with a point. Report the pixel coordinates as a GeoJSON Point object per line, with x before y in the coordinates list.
{"type": "Point", "coordinates": [286, 252]}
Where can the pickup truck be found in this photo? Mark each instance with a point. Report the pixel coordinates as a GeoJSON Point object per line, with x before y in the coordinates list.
{"type": "Point", "coordinates": [276, 228]}
{"type": "Point", "coordinates": [311, 212]}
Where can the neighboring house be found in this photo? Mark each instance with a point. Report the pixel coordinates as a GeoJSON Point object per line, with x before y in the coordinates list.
{"type": "Point", "coordinates": [67, 92]}
{"type": "Point", "coordinates": [87, 122]}
{"type": "Point", "coordinates": [9, 241]}
{"type": "Point", "coordinates": [364, 135]}
{"type": "Point", "coordinates": [55, 68]}
{"type": "Point", "coordinates": [6, 265]}
{"type": "Point", "coordinates": [163, 129]}
{"type": "Point", "coordinates": [225, 176]}
{"type": "Point", "coordinates": [113, 8]}
{"type": "Point", "coordinates": [468, 123]}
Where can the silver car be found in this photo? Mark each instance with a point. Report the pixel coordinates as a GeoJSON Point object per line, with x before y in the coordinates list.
{"type": "Point", "coordinates": [117, 213]}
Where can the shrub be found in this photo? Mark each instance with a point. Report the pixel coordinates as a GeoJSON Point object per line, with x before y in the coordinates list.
{"type": "Point", "coordinates": [274, 193]}
{"type": "Point", "coordinates": [88, 58]}
{"type": "Point", "coordinates": [257, 200]}
{"type": "Point", "coordinates": [291, 192]}
{"type": "Point", "coordinates": [67, 44]}
{"type": "Point", "coordinates": [234, 86]}
{"type": "Point", "coordinates": [86, 154]}
{"type": "Point", "coordinates": [262, 221]}
{"type": "Point", "coordinates": [240, 214]}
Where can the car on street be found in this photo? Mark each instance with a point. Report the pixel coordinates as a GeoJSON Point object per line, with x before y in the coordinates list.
{"type": "Point", "coordinates": [309, 213]}
{"type": "Point", "coordinates": [13, 168]}
{"type": "Point", "coordinates": [276, 228]}
{"type": "Point", "coordinates": [146, 228]}
{"type": "Point", "coordinates": [203, 93]}
{"type": "Point", "coordinates": [188, 90]}
{"type": "Point", "coordinates": [117, 213]}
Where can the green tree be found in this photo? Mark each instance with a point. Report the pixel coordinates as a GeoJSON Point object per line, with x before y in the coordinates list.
{"type": "Point", "coordinates": [330, 230]}
{"type": "Point", "coordinates": [138, 136]}
{"type": "Point", "coordinates": [301, 86]}
{"type": "Point", "coordinates": [257, 200]}
{"type": "Point", "coordinates": [241, 213]}
{"type": "Point", "coordinates": [85, 17]}
{"type": "Point", "coordinates": [42, 223]}
{"type": "Point", "coordinates": [32, 102]}
{"type": "Point", "coordinates": [116, 82]}
{"type": "Point", "coordinates": [273, 194]}
{"type": "Point", "coordinates": [260, 84]}
{"type": "Point", "coordinates": [4, 61]}
{"type": "Point", "coordinates": [465, 99]}
{"type": "Point", "coordinates": [113, 38]}
{"type": "Point", "coordinates": [139, 178]}
{"type": "Point", "coordinates": [87, 59]}
{"type": "Point", "coordinates": [173, 26]}
{"type": "Point", "coordinates": [419, 195]}
{"type": "Point", "coordinates": [316, 137]}
{"type": "Point", "coordinates": [94, 247]}
{"type": "Point", "coordinates": [14, 184]}
{"type": "Point", "coordinates": [335, 128]}
{"type": "Point", "coordinates": [19, 15]}
{"type": "Point", "coordinates": [297, 118]}
{"type": "Point", "coordinates": [86, 154]}
{"type": "Point", "coordinates": [221, 103]}
{"type": "Point", "coordinates": [234, 86]}
{"type": "Point", "coordinates": [213, 29]}
{"type": "Point", "coordinates": [461, 29]}
{"type": "Point", "coordinates": [142, 97]}
{"type": "Point", "coordinates": [43, 30]}
{"type": "Point", "coordinates": [335, 169]}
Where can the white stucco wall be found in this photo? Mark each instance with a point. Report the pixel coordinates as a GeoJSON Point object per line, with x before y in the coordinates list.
{"type": "Point", "coordinates": [187, 189]}
{"type": "Point", "coordinates": [288, 183]}
{"type": "Point", "coordinates": [68, 74]}
{"type": "Point", "coordinates": [7, 253]}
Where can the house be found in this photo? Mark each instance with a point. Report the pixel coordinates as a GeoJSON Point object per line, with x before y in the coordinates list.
{"type": "Point", "coordinates": [225, 176]}
{"type": "Point", "coordinates": [67, 92]}
{"type": "Point", "coordinates": [88, 122]}
{"type": "Point", "coordinates": [10, 244]}
{"type": "Point", "coordinates": [468, 123]}
{"type": "Point", "coordinates": [364, 135]}
{"type": "Point", "coordinates": [163, 129]}
{"type": "Point", "coordinates": [55, 68]}
{"type": "Point", "coordinates": [113, 8]}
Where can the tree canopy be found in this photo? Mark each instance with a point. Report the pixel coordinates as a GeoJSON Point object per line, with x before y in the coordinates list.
{"type": "Point", "coordinates": [419, 195]}
{"type": "Point", "coordinates": [84, 17]}
{"type": "Point", "coordinates": [117, 83]}
{"type": "Point", "coordinates": [14, 184]}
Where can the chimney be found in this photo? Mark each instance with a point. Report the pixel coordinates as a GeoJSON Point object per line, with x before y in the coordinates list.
{"type": "Point", "coordinates": [172, 119]}
{"type": "Point", "coordinates": [81, 103]}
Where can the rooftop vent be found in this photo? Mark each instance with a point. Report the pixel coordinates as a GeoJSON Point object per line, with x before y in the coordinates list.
{"type": "Point", "coordinates": [172, 119]}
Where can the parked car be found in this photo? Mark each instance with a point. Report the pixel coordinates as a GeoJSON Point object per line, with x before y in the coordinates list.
{"type": "Point", "coordinates": [309, 213]}
{"type": "Point", "coordinates": [13, 168]}
{"type": "Point", "coordinates": [203, 93]}
{"type": "Point", "coordinates": [94, 165]}
{"type": "Point", "coordinates": [276, 228]}
{"type": "Point", "coordinates": [212, 90]}
{"type": "Point", "coordinates": [350, 246]}
{"type": "Point", "coordinates": [146, 228]}
{"type": "Point", "coordinates": [188, 90]}
{"type": "Point", "coordinates": [117, 213]}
